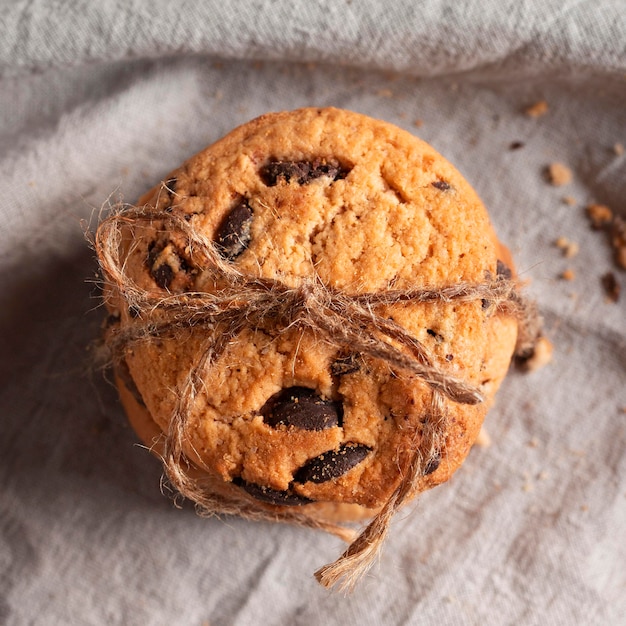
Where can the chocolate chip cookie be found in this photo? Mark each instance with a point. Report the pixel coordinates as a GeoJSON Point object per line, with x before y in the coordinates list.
{"type": "Point", "coordinates": [310, 308]}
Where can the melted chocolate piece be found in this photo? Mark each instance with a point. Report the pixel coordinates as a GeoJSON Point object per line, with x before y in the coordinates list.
{"type": "Point", "coordinates": [433, 464]}
{"type": "Point", "coordinates": [165, 263]}
{"type": "Point", "coordinates": [233, 235]}
{"type": "Point", "coordinates": [504, 270]}
{"type": "Point", "coordinates": [442, 185]}
{"type": "Point", "coordinates": [332, 464]}
{"type": "Point", "coordinates": [163, 275]}
{"type": "Point", "coordinates": [301, 172]}
{"type": "Point", "coordinates": [122, 371]}
{"type": "Point", "coordinates": [112, 319]}
{"type": "Point", "coordinates": [435, 335]}
{"type": "Point", "coordinates": [346, 365]}
{"type": "Point", "coordinates": [271, 496]}
{"type": "Point", "coordinates": [301, 407]}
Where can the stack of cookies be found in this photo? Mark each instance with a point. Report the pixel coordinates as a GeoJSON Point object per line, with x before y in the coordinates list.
{"type": "Point", "coordinates": [309, 317]}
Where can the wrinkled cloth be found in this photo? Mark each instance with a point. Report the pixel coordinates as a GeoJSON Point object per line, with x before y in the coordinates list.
{"type": "Point", "coordinates": [98, 101]}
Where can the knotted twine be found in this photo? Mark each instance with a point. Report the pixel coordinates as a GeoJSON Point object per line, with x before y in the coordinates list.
{"type": "Point", "coordinates": [344, 320]}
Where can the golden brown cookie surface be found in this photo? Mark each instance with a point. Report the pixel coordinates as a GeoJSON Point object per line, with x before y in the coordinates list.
{"type": "Point", "coordinates": [286, 416]}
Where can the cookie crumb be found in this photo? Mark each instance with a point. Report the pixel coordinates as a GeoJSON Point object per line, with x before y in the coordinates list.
{"type": "Point", "coordinates": [618, 241]}
{"type": "Point", "coordinates": [570, 248]}
{"type": "Point", "coordinates": [568, 274]}
{"type": "Point", "coordinates": [577, 452]}
{"type": "Point", "coordinates": [541, 355]}
{"type": "Point", "coordinates": [599, 214]}
{"type": "Point", "coordinates": [483, 440]}
{"type": "Point", "coordinates": [418, 123]}
{"type": "Point", "coordinates": [537, 110]}
{"type": "Point", "coordinates": [618, 148]}
{"type": "Point", "coordinates": [569, 200]}
{"type": "Point", "coordinates": [559, 174]}
{"type": "Point", "coordinates": [533, 443]}
{"type": "Point", "coordinates": [385, 93]}
{"type": "Point", "coordinates": [611, 286]}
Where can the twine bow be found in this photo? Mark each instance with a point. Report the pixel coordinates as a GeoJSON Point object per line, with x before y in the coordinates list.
{"type": "Point", "coordinates": [346, 320]}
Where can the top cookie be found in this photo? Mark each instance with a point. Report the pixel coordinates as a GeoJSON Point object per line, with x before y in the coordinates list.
{"type": "Point", "coordinates": [291, 414]}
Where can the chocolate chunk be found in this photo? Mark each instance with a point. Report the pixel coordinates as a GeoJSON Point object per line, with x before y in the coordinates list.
{"type": "Point", "coordinates": [432, 464]}
{"type": "Point", "coordinates": [123, 373]}
{"type": "Point", "coordinates": [301, 172]}
{"type": "Point", "coordinates": [163, 275]}
{"type": "Point", "coordinates": [160, 259]}
{"type": "Point", "coordinates": [112, 319]}
{"type": "Point", "coordinates": [435, 335]}
{"type": "Point", "coordinates": [442, 185]}
{"type": "Point", "coordinates": [301, 407]}
{"type": "Point", "coordinates": [233, 235]}
{"type": "Point", "coordinates": [332, 464]}
{"type": "Point", "coordinates": [272, 496]}
{"type": "Point", "coordinates": [346, 365]}
{"type": "Point", "coordinates": [504, 270]}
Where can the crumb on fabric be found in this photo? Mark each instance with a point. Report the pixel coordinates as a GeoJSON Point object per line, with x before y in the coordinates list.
{"type": "Point", "coordinates": [559, 174]}
{"type": "Point", "coordinates": [599, 214]}
{"type": "Point", "coordinates": [483, 440]}
{"type": "Point", "coordinates": [537, 109]}
{"type": "Point", "coordinates": [527, 486]}
{"type": "Point", "coordinates": [618, 241]}
{"type": "Point", "coordinates": [569, 200]}
{"type": "Point", "coordinates": [618, 148]}
{"type": "Point", "coordinates": [568, 274]}
{"type": "Point", "coordinates": [602, 218]}
{"type": "Point", "coordinates": [418, 123]}
{"type": "Point", "coordinates": [569, 248]}
{"type": "Point", "coordinates": [533, 443]}
{"type": "Point", "coordinates": [612, 288]}
{"type": "Point", "coordinates": [541, 356]}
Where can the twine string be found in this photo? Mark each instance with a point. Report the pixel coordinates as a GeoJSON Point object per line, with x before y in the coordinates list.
{"type": "Point", "coordinates": [346, 320]}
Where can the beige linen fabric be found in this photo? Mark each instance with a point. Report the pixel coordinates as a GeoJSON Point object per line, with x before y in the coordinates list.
{"type": "Point", "coordinates": [100, 100]}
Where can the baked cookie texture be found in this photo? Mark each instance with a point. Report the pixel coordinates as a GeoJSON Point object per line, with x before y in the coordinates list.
{"type": "Point", "coordinates": [288, 418]}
